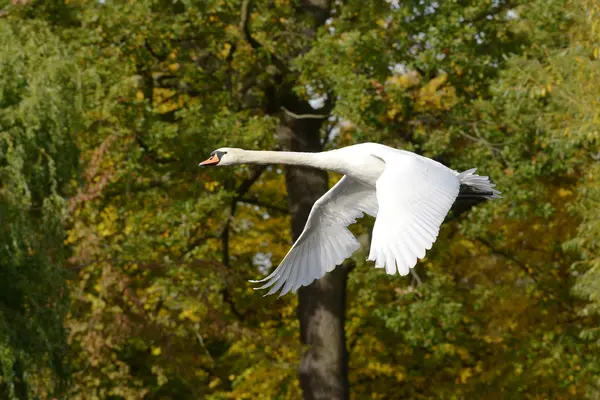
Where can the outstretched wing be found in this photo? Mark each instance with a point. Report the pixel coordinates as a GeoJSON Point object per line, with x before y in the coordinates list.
{"type": "Point", "coordinates": [326, 241]}
{"type": "Point", "coordinates": [414, 196]}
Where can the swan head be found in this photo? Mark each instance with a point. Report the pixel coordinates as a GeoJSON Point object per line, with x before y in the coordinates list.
{"type": "Point", "coordinates": [223, 156]}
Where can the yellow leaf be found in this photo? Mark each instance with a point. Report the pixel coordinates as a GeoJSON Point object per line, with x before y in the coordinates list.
{"type": "Point", "coordinates": [458, 70]}
{"type": "Point", "coordinates": [108, 225]}
{"type": "Point", "coordinates": [465, 374]}
{"type": "Point", "coordinates": [225, 52]}
{"type": "Point", "coordinates": [564, 192]}
{"type": "Point", "coordinates": [139, 95]}
{"type": "Point", "coordinates": [211, 185]}
{"type": "Point", "coordinates": [156, 351]}
{"type": "Point", "coordinates": [479, 367]}
{"type": "Point", "coordinates": [406, 80]}
{"type": "Point", "coordinates": [436, 82]}
{"type": "Point", "coordinates": [518, 369]}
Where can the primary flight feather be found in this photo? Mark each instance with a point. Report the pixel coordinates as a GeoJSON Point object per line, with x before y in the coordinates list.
{"type": "Point", "coordinates": [408, 194]}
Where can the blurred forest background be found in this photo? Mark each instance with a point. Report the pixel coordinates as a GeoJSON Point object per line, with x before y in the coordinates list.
{"type": "Point", "coordinates": [124, 267]}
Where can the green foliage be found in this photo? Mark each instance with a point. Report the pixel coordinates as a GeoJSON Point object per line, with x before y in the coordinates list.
{"type": "Point", "coordinates": [40, 110]}
{"type": "Point", "coordinates": [504, 306]}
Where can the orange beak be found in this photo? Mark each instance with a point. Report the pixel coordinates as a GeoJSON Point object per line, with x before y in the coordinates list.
{"type": "Point", "coordinates": [212, 160]}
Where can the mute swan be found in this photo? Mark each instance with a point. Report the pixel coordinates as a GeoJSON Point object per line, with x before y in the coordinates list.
{"type": "Point", "coordinates": [408, 194]}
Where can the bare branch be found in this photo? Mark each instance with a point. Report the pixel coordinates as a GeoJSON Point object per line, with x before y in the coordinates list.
{"type": "Point", "coordinates": [303, 116]}
{"type": "Point", "coordinates": [201, 342]}
{"type": "Point", "coordinates": [416, 277]}
{"type": "Point", "coordinates": [247, 184]}
{"type": "Point", "coordinates": [228, 299]}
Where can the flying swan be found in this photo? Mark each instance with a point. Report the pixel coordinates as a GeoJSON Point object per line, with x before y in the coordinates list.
{"type": "Point", "coordinates": [408, 194]}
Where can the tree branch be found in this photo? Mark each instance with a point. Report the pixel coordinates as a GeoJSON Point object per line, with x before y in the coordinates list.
{"type": "Point", "coordinates": [243, 26]}
{"type": "Point", "coordinates": [245, 31]}
{"type": "Point", "coordinates": [259, 203]}
{"type": "Point", "coordinates": [304, 116]}
{"type": "Point", "coordinates": [227, 299]}
{"type": "Point", "coordinates": [525, 268]}
{"type": "Point", "coordinates": [247, 184]}
{"type": "Point", "coordinates": [416, 277]}
{"type": "Point", "coordinates": [240, 192]}
{"type": "Point", "coordinates": [328, 130]}
{"type": "Point", "coordinates": [509, 257]}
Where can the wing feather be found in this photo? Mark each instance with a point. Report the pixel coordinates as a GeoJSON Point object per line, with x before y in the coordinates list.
{"type": "Point", "coordinates": [414, 196]}
{"type": "Point", "coordinates": [325, 241]}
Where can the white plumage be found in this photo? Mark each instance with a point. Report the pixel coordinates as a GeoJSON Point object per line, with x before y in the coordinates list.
{"type": "Point", "coordinates": [408, 194]}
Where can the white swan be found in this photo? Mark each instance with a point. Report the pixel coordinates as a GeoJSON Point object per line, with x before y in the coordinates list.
{"type": "Point", "coordinates": [408, 194]}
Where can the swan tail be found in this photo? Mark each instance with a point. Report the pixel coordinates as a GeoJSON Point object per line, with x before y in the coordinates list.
{"type": "Point", "coordinates": [473, 186]}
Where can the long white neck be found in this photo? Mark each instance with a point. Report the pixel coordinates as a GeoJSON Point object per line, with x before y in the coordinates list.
{"type": "Point", "coordinates": [315, 160]}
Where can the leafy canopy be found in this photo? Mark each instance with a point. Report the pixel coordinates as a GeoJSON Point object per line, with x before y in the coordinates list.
{"type": "Point", "coordinates": [504, 306]}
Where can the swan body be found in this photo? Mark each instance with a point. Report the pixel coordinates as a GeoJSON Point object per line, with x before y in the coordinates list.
{"type": "Point", "coordinates": [408, 194]}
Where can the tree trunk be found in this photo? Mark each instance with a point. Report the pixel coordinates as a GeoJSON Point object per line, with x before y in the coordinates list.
{"type": "Point", "coordinates": [321, 310]}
